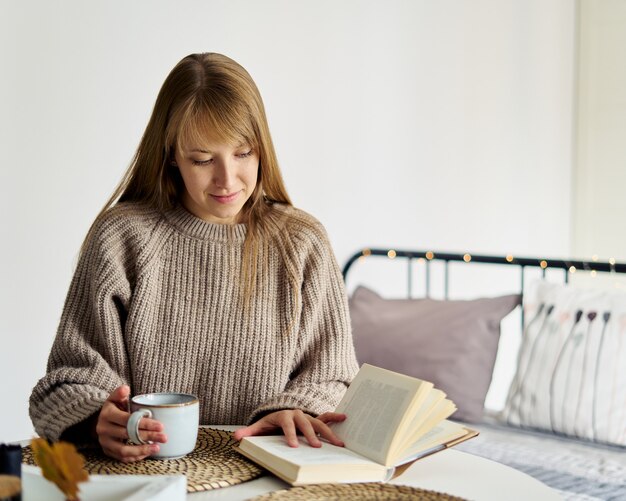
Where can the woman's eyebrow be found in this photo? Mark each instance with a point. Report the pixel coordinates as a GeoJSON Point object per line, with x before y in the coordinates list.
{"type": "Point", "coordinates": [209, 152]}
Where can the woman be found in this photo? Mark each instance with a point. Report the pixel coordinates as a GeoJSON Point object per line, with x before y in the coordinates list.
{"type": "Point", "coordinates": [199, 276]}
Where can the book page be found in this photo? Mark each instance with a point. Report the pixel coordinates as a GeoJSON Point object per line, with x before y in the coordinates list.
{"type": "Point", "coordinates": [375, 404]}
{"type": "Point", "coordinates": [304, 454]}
{"type": "Point", "coordinates": [305, 464]}
{"type": "Point", "coordinates": [444, 432]}
{"type": "Point", "coordinates": [442, 409]}
{"type": "Point", "coordinates": [406, 438]}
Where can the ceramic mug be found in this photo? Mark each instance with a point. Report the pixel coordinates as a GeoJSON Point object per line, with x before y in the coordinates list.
{"type": "Point", "coordinates": [178, 412]}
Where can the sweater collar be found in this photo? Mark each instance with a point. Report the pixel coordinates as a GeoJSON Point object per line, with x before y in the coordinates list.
{"type": "Point", "coordinates": [195, 227]}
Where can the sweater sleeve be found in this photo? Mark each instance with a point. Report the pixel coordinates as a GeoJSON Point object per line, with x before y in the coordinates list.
{"type": "Point", "coordinates": [88, 358]}
{"type": "Point", "coordinates": [326, 361]}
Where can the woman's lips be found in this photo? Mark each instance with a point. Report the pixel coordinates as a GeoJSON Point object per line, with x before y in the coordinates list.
{"type": "Point", "coordinates": [226, 199]}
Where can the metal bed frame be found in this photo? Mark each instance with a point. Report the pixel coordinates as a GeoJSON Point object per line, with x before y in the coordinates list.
{"type": "Point", "coordinates": [568, 266]}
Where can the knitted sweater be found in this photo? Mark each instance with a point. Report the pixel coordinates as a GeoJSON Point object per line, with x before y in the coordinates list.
{"type": "Point", "coordinates": [156, 303]}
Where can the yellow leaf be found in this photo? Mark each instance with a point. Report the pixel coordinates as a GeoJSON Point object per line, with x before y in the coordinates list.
{"type": "Point", "coordinates": [62, 464]}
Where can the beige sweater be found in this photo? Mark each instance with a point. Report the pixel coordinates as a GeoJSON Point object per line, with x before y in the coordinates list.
{"type": "Point", "coordinates": [155, 303]}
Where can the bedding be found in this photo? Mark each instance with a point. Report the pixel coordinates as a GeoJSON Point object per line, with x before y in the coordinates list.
{"type": "Point", "coordinates": [579, 471]}
{"type": "Point", "coordinates": [564, 421]}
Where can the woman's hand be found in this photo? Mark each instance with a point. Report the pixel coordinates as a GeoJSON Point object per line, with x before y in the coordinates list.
{"type": "Point", "coordinates": [112, 434]}
{"type": "Point", "coordinates": [293, 420]}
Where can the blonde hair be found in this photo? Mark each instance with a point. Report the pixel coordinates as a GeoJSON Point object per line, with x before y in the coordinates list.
{"type": "Point", "coordinates": [206, 95]}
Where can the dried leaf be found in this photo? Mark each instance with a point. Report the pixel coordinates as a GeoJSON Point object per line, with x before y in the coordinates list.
{"type": "Point", "coordinates": [62, 464]}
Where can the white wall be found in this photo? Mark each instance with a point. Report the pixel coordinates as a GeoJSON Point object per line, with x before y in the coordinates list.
{"type": "Point", "coordinates": [409, 123]}
{"type": "Point", "coordinates": [600, 176]}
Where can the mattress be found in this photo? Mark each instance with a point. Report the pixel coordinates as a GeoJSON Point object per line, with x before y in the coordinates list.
{"type": "Point", "coordinates": [578, 470]}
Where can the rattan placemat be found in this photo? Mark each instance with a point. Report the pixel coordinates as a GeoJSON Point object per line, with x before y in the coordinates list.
{"type": "Point", "coordinates": [356, 492]}
{"type": "Point", "coordinates": [212, 464]}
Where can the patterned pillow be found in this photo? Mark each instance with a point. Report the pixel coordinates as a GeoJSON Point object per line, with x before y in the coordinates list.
{"type": "Point", "coordinates": [571, 374]}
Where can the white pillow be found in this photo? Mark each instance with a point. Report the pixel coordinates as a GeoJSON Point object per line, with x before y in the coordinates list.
{"type": "Point", "coordinates": [571, 374]}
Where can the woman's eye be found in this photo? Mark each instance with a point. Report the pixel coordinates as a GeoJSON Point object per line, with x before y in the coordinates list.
{"type": "Point", "coordinates": [202, 162]}
{"type": "Point", "coordinates": [245, 154]}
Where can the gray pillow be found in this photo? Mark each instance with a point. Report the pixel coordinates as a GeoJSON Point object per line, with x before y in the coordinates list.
{"type": "Point", "coordinates": [453, 344]}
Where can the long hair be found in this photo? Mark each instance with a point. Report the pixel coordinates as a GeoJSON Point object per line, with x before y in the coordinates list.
{"type": "Point", "coordinates": [206, 95]}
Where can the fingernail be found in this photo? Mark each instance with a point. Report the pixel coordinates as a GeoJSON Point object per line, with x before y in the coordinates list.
{"type": "Point", "coordinates": [154, 448]}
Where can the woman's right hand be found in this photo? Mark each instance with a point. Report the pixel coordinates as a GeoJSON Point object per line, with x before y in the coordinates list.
{"type": "Point", "coordinates": [112, 434]}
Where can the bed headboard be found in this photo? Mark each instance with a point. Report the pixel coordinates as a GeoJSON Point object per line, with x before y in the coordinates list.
{"type": "Point", "coordinates": [567, 266]}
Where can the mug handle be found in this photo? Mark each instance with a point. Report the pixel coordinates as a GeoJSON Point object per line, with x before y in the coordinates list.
{"type": "Point", "coordinates": [132, 427]}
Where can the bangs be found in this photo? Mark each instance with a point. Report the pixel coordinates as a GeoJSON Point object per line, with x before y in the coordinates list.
{"type": "Point", "coordinates": [203, 123]}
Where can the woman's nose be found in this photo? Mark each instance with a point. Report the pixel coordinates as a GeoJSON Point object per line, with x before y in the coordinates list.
{"type": "Point", "coordinates": [224, 177]}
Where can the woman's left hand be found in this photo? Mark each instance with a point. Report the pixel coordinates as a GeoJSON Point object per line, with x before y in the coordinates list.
{"type": "Point", "coordinates": [293, 420]}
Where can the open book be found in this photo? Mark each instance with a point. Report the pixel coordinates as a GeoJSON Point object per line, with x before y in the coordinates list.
{"type": "Point", "coordinates": [392, 420]}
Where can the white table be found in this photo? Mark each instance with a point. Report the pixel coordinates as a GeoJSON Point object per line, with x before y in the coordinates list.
{"type": "Point", "coordinates": [450, 471]}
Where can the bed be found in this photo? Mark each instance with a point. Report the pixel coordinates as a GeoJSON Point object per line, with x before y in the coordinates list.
{"type": "Point", "coordinates": [532, 351]}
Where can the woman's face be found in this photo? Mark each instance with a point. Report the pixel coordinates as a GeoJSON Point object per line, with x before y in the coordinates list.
{"type": "Point", "coordinates": [219, 178]}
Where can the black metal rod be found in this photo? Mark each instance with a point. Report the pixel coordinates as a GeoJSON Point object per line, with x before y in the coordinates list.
{"type": "Point", "coordinates": [477, 258]}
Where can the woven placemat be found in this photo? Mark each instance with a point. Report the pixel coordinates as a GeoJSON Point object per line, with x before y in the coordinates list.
{"type": "Point", "coordinates": [212, 464]}
{"type": "Point", "coordinates": [356, 492]}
